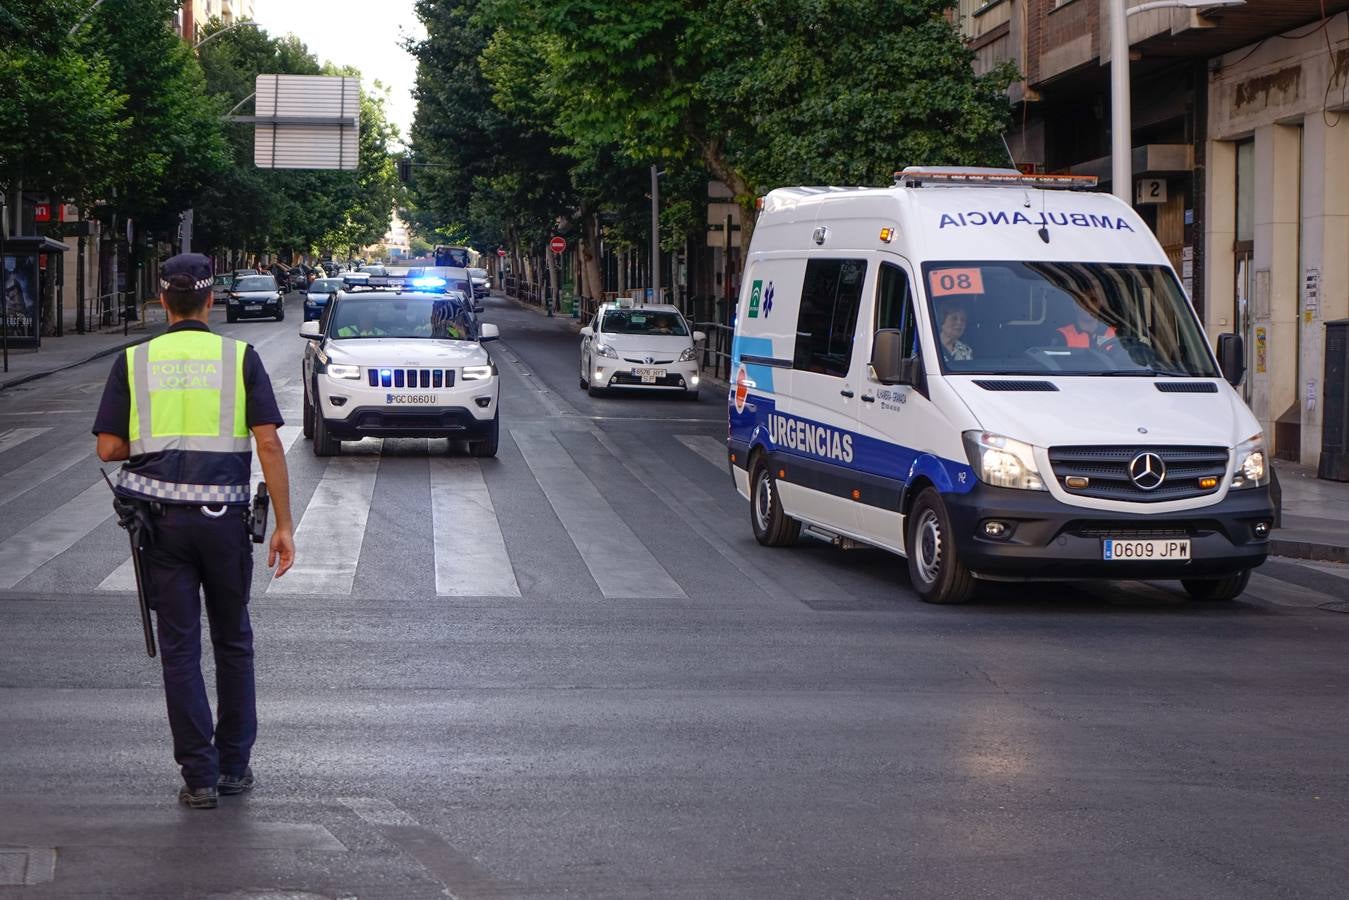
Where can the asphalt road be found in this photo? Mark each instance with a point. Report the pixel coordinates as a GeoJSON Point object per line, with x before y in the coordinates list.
{"type": "Point", "coordinates": [570, 671]}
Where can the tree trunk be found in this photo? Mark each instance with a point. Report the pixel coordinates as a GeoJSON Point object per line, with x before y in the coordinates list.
{"type": "Point", "coordinates": [590, 255]}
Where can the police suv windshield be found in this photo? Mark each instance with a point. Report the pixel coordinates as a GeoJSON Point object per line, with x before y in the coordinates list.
{"type": "Point", "coordinates": [638, 321]}
{"type": "Point", "coordinates": [375, 316]}
{"type": "Point", "coordinates": [1069, 318]}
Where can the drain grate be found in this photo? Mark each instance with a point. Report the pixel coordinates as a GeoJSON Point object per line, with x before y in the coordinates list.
{"type": "Point", "coordinates": [21, 866]}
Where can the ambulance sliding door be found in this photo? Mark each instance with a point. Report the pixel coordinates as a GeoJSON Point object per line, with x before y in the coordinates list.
{"type": "Point", "coordinates": [822, 410]}
{"type": "Point", "coordinates": [891, 418]}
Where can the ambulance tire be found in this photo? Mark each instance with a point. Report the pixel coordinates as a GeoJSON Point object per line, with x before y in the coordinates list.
{"type": "Point", "coordinates": [1229, 587]}
{"type": "Point", "coordinates": [772, 526]}
{"type": "Point", "coordinates": [935, 568]}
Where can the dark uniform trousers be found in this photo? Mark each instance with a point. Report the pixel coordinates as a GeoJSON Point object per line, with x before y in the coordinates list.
{"type": "Point", "coordinates": [194, 554]}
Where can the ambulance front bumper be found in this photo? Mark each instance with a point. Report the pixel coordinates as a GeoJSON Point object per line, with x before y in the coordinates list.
{"type": "Point", "coordinates": [1045, 539]}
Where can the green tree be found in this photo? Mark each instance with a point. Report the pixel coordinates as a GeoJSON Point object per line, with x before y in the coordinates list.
{"type": "Point", "coordinates": [60, 116]}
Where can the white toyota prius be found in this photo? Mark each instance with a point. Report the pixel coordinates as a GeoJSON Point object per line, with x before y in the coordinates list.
{"type": "Point", "coordinates": [389, 364]}
{"type": "Point", "coordinates": [648, 347]}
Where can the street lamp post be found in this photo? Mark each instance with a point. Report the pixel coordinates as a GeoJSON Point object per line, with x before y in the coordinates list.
{"type": "Point", "coordinates": [655, 234]}
{"type": "Point", "coordinates": [1121, 125]}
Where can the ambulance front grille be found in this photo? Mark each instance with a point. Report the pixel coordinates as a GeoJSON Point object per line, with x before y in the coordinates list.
{"type": "Point", "coordinates": [1106, 469]}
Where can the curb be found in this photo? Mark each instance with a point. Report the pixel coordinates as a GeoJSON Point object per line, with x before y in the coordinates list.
{"type": "Point", "coordinates": [107, 351]}
{"type": "Point", "coordinates": [1309, 551]}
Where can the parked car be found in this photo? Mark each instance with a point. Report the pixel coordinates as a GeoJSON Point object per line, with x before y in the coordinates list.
{"type": "Point", "coordinates": [318, 294]}
{"type": "Point", "coordinates": [254, 297]}
{"type": "Point", "coordinates": [220, 287]}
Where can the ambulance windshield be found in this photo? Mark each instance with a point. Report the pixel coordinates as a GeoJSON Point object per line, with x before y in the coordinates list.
{"type": "Point", "coordinates": [1070, 318]}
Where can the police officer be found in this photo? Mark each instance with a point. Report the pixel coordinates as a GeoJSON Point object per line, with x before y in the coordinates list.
{"type": "Point", "coordinates": [179, 410]}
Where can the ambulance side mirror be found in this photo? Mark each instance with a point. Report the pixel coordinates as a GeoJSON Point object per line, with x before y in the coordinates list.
{"type": "Point", "coordinates": [888, 366]}
{"type": "Point", "coordinates": [1232, 357]}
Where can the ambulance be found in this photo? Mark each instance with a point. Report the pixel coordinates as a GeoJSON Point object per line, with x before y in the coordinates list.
{"type": "Point", "coordinates": [997, 376]}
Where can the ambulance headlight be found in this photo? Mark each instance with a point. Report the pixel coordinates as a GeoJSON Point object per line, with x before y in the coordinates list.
{"type": "Point", "coordinates": [1003, 462]}
{"type": "Point", "coordinates": [1252, 469]}
{"type": "Point", "coordinates": [606, 350]}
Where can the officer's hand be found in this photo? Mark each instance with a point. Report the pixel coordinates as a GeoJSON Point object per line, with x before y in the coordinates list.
{"type": "Point", "coordinates": [283, 549]}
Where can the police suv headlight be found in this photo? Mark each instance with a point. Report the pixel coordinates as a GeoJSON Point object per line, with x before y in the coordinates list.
{"type": "Point", "coordinates": [477, 373]}
{"type": "Point", "coordinates": [1252, 469]}
{"type": "Point", "coordinates": [606, 350]}
{"type": "Point", "coordinates": [689, 354]}
{"type": "Point", "coordinates": [337, 370]}
{"type": "Point", "coordinates": [1003, 462]}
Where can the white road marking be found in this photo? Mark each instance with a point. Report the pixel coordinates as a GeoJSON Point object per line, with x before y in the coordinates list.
{"type": "Point", "coordinates": [1283, 593]}
{"type": "Point", "coordinates": [377, 811]}
{"type": "Point", "coordinates": [123, 578]}
{"type": "Point", "coordinates": [619, 562]}
{"type": "Point", "coordinates": [709, 448]}
{"type": "Point", "coordinates": [53, 534]}
{"type": "Point", "coordinates": [330, 535]}
{"type": "Point", "coordinates": [20, 481]}
{"type": "Point", "coordinates": [471, 557]}
{"type": "Point", "coordinates": [13, 437]}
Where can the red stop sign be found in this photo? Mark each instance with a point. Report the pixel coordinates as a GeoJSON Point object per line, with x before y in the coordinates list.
{"type": "Point", "coordinates": [557, 244]}
{"type": "Point", "coordinates": [500, 252]}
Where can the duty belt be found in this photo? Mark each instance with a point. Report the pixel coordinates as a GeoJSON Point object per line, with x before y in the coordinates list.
{"type": "Point", "coordinates": [171, 492]}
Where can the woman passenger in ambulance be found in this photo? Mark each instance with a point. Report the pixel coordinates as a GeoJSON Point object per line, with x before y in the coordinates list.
{"type": "Point", "coordinates": [953, 316]}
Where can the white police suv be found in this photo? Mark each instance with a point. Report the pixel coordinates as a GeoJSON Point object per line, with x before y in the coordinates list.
{"type": "Point", "coordinates": [648, 347]}
{"type": "Point", "coordinates": [389, 363]}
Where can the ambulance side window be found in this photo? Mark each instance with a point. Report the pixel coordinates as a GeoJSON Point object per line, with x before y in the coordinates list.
{"type": "Point", "coordinates": [828, 318]}
{"type": "Point", "coordinates": [894, 306]}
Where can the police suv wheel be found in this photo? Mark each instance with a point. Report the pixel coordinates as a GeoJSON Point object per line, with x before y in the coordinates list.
{"type": "Point", "coordinates": [324, 443]}
{"type": "Point", "coordinates": [308, 420]}
{"type": "Point", "coordinates": [1223, 589]}
{"type": "Point", "coordinates": [935, 568]}
{"type": "Point", "coordinates": [772, 526]}
{"type": "Point", "coordinates": [487, 447]}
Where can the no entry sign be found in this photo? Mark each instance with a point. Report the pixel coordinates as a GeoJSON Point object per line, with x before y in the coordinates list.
{"type": "Point", "coordinates": [557, 244]}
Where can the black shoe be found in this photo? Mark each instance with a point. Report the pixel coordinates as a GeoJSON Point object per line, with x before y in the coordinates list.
{"type": "Point", "coordinates": [230, 785]}
{"type": "Point", "coordinates": [197, 798]}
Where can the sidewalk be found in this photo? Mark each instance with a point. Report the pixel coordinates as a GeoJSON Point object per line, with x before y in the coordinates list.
{"type": "Point", "coordinates": [1315, 515]}
{"type": "Point", "coordinates": [58, 353]}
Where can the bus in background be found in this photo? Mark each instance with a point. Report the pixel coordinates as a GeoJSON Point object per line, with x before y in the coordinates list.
{"type": "Point", "coordinates": [458, 257]}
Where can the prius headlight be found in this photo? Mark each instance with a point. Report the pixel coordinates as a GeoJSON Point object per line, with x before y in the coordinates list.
{"type": "Point", "coordinates": [689, 355]}
{"type": "Point", "coordinates": [1003, 462]}
{"type": "Point", "coordinates": [477, 373]}
{"type": "Point", "coordinates": [602, 349]}
{"type": "Point", "coordinates": [1252, 467]}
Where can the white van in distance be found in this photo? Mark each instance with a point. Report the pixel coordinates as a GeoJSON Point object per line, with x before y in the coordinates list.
{"type": "Point", "coordinates": [997, 376]}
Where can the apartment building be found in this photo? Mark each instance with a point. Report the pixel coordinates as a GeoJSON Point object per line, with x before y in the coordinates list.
{"type": "Point", "coordinates": [196, 13]}
{"type": "Point", "coordinates": [1240, 122]}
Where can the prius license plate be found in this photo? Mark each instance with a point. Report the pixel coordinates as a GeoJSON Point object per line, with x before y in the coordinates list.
{"type": "Point", "coordinates": [648, 374]}
{"type": "Point", "coordinates": [1170, 550]}
{"type": "Point", "coordinates": [409, 399]}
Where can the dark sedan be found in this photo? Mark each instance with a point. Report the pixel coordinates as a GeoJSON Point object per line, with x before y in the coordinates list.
{"type": "Point", "coordinates": [254, 297]}
{"type": "Point", "coordinates": [318, 294]}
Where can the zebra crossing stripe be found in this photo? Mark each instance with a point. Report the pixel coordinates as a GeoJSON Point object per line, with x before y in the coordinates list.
{"type": "Point", "coordinates": [330, 534]}
{"type": "Point", "coordinates": [13, 437]}
{"type": "Point", "coordinates": [619, 562]}
{"type": "Point", "coordinates": [123, 578]}
{"type": "Point", "coordinates": [53, 534]}
{"type": "Point", "coordinates": [42, 469]}
{"type": "Point", "coordinates": [709, 448]}
{"type": "Point", "coordinates": [470, 550]}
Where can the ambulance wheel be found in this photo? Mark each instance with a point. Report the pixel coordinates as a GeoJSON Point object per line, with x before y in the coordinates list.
{"type": "Point", "coordinates": [487, 447]}
{"type": "Point", "coordinates": [1226, 588]}
{"type": "Point", "coordinates": [324, 443]}
{"type": "Point", "coordinates": [772, 526]}
{"type": "Point", "coordinates": [935, 568]}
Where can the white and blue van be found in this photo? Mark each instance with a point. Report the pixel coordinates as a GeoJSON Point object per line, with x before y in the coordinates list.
{"type": "Point", "coordinates": [997, 376]}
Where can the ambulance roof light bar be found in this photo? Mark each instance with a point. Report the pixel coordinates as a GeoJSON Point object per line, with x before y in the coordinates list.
{"type": "Point", "coordinates": [918, 176]}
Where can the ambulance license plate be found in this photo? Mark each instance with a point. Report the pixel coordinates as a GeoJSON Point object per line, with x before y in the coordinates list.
{"type": "Point", "coordinates": [648, 374]}
{"type": "Point", "coordinates": [1114, 550]}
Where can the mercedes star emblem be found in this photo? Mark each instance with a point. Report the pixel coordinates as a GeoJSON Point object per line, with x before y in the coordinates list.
{"type": "Point", "coordinates": [1147, 471]}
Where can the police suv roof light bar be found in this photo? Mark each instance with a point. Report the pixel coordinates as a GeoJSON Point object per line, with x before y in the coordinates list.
{"type": "Point", "coordinates": [918, 176]}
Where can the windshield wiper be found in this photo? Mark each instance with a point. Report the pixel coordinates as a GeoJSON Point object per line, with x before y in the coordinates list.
{"type": "Point", "coordinates": [1125, 373]}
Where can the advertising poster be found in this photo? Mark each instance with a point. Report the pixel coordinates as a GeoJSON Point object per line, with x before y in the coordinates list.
{"type": "Point", "coordinates": [21, 301]}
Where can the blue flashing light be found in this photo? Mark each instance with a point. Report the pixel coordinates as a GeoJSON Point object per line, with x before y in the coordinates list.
{"type": "Point", "coordinates": [427, 282]}
{"type": "Point", "coordinates": [386, 377]}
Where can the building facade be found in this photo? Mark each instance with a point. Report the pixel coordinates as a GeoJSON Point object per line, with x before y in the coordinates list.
{"type": "Point", "coordinates": [1239, 160]}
